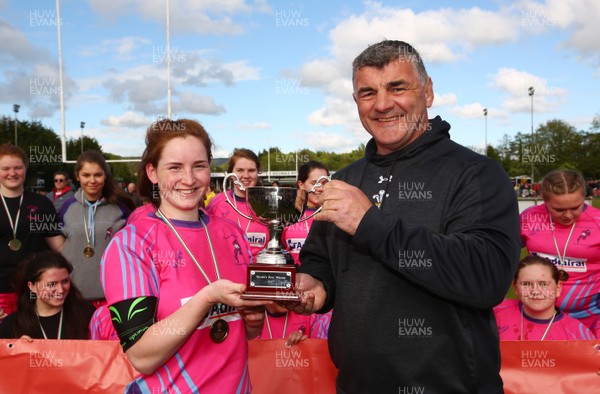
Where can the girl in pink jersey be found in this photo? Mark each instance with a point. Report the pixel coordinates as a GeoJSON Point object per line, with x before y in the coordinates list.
{"type": "Point", "coordinates": [534, 317]}
{"type": "Point", "coordinates": [567, 231]}
{"type": "Point", "coordinates": [246, 165]}
{"type": "Point", "coordinates": [293, 236]}
{"type": "Point", "coordinates": [173, 278]}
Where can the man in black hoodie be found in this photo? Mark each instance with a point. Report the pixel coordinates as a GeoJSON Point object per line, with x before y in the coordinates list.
{"type": "Point", "coordinates": [414, 245]}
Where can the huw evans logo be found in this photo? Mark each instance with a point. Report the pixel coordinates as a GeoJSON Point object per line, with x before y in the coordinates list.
{"type": "Point", "coordinates": [414, 191]}
{"type": "Point", "coordinates": [291, 359]}
{"type": "Point", "coordinates": [537, 359]}
{"type": "Point", "coordinates": [414, 328]}
{"type": "Point", "coordinates": [414, 259]}
{"type": "Point", "coordinates": [44, 359]}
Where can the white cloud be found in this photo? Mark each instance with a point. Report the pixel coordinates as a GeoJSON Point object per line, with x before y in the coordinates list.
{"type": "Point", "coordinates": [192, 103]}
{"type": "Point", "coordinates": [186, 16]}
{"type": "Point", "coordinates": [335, 112]}
{"type": "Point", "coordinates": [444, 35]}
{"type": "Point", "coordinates": [16, 48]}
{"type": "Point", "coordinates": [30, 75]}
{"type": "Point", "coordinates": [256, 126]}
{"type": "Point", "coordinates": [469, 111]}
{"type": "Point", "coordinates": [199, 70]}
{"type": "Point", "coordinates": [129, 119]}
{"type": "Point", "coordinates": [441, 100]}
{"type": "Point", "coordinates": [122, 48]}
{"type": "Point", "coordinates": [330, 142]}
{"type": "Point", "coordinates": [219, 152]}
{"type": "Point", "coordinates": [321, 72]}
{"type": "Point", "coordinates": [516, 85]}
{"type": "Point", "coordinates": [578, 17]}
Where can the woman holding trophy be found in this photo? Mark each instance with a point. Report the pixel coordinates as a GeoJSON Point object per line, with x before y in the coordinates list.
{"type": "Point", "coordinates": [245, 165]}
{"type": "Point", "coordinates": [173, 278]}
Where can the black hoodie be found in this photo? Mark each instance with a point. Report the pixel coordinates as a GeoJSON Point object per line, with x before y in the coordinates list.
{"type": "Point", "coordinates": [413, 289]}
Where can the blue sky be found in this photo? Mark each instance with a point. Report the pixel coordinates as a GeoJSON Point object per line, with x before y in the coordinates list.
{"type": "Point", "coordinates": [260, 73]}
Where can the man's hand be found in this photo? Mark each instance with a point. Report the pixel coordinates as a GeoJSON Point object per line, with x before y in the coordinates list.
{"type": "Point", "coordinates": [312, 295]}
{"type": "Point", "coordinates": [343, 205]}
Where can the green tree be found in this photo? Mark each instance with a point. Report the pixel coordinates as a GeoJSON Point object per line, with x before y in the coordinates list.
{"type": "Point", "coordinates": [557, 145]}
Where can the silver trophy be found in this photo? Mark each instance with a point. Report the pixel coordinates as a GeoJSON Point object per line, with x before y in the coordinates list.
{"type": "Point", "coordinates": [274, 273]}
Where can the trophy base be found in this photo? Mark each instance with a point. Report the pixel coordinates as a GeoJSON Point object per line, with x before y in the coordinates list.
{"type": "Point", "coordinates": [271, 282]}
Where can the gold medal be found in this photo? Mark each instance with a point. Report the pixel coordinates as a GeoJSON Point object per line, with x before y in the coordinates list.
{"type": "Point", "coordinates": [219, 331]}
{"type": "Point", "coordinates": [14, 244]}
{"type": "Point", "coordinates": [88, 251]}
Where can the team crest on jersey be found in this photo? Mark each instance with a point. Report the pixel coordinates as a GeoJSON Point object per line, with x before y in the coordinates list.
{"type": "Point", "coordinates": [584, 234]}
{"type": "Point", "coordinates": [237, 251]}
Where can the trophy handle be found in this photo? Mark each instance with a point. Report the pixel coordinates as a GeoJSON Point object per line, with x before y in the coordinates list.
{"type": "Point", "coordinates": [312, 190]}
{"type": "Point", "coordinates": [236, 181]}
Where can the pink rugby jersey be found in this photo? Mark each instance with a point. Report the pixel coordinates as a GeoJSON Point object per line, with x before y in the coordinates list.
{"type": "Point", "coordinates": [580, 296]}
{"type": "Point", "coordinates": [144, 210]}
{"type": "Point", "coordinates": [146, 259]}
{"type": "Point", "coordinates": [256, 232]}
{"type": "Point", "coordinates": [564, 327]}
{"type": "Point", "coordinates": [294, 236]}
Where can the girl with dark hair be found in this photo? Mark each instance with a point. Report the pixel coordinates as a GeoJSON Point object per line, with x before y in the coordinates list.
{"type": "Point", "coordinates": [246, 165]}
{"type": "Point", "coordinates": [294, 236]}
{"type": "Point", "coordinates": [49, 305]}
{"type": "Point", "coordinates": [173, 277]}
{"type": "Point", "coordinates": [534, 316]}
{"type": "Point", "coordinates": [566, 230]}
{"type": "Point", "coordinates": [90, 219]}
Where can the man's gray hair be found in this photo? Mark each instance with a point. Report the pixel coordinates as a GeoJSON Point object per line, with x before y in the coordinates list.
{"type": "Point", "coordinates": [381, 54]}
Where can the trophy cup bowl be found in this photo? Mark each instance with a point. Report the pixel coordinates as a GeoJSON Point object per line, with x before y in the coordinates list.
{"type": "Point", "coordinates": [273, 275]}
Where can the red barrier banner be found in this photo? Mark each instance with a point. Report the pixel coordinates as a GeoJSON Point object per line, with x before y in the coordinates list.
{"type": "Point", "coordinates": [305, 368]}
{"type": "Point", "coordinates": [70, 366]}
{"type": "Point", "coordinates": [565, 367]}
{"type": "Point", "coordinates": [63, 366]}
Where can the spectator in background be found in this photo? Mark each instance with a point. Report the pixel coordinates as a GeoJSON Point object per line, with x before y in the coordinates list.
{"type": "Point", "coordinates": [62, 189]}
{"type": "Point", "coordinates": [589, 190]}
{"type": "Point", "coordinates": [49, 305]}
{"type": "Point", "coordinates": [28, 222]}
{"type": "Point", "coordinates": [534, 316]}
{"type": "Point", "coordinates": [90, 219]}
{"type": "Point", "coordinates": [210, 194]}
{"type": "Point", "coordinates": [134, 195]}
